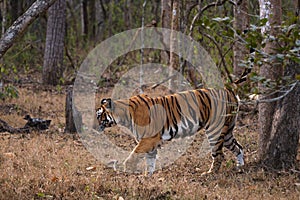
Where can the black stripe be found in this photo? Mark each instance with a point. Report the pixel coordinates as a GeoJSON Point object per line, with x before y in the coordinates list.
{"type": "Point", "coordinates": [141, 98]}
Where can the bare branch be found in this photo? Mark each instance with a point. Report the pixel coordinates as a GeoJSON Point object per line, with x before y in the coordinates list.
{"type": "Point", "coordinates": [217, 3]}
{"type": "Point", "coordinates": [193, 23]}
{"type": "Point", "coordinates": [221, 55]}
{"type": "Point", "coordinates": [264, 100]}
{"type": "Point", "coordinates": [163, 81]}
{"type": "Point", "coordinates": [20, 25]}
{"type": "Point", "coordinates": [280, 97]}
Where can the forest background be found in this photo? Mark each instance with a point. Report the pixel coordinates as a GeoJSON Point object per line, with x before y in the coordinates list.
{"type": "Point", "coordinates": [240, 36]}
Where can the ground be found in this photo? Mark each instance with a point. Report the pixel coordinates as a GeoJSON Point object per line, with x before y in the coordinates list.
{"type": "Point", "coordinates": [56, 165]}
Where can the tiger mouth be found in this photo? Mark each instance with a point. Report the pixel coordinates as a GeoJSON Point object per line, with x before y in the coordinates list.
{"type": "Point", "coordinates": [104, 125]}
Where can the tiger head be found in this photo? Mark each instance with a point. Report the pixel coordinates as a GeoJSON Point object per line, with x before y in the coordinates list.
{"type": "Point", "coordinates": [104, 114]}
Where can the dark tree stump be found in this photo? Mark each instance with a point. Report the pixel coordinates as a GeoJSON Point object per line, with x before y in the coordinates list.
{"type": "Point", "coordinates": [73, 116]}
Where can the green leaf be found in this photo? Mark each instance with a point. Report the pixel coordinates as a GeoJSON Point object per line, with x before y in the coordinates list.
{"type": "Point", "coordinates": [263, 21]}
{"type": "Point", "coordinates": [40, 194]}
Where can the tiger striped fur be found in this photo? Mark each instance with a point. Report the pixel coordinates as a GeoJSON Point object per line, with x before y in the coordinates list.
{"type": "Point", "coordinates": [153, 120]}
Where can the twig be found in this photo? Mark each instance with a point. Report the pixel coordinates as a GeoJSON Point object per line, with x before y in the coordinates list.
{"type": "Point", "coordinates": [188, 11]}
{"type": "Point", "coordinates": [103, 10]}
{"type": "Point", "coordinates": [221, 55]}
{"type": "Point", "coordinates": [69, 57]}
{"type": "Point", "coordinates": [193, 23]}
{"type": "Point", "coordinates": [272, 99]}
{"type": "Point", "coordinates": [295, 171]}
{"type": "Point", "coordinates": [245, 42]}
{"type": "Point", "coordinates": [218, 3]}
{"type": "Point", "coordinates": [163, 81]}
{"type": "Point", "coordinates": [278, 98]}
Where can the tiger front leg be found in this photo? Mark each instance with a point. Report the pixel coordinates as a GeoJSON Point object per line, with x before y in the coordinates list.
{"type": "Point", "coordinates": [216, 164]}
{"type": "Point", "coordinates": [151, 161]}
{"type": "Point", "coordinates": [217, 155]}
{"type": "Point", "coordinates": [146, 146]}
{"type": "Point", "coordinates": [131, 164]}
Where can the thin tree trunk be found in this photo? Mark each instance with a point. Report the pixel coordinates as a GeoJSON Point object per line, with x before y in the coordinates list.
{"type": "Point", "coordinates": [127, 13]}
{"type": "Point", "coordinates": [174, 59]}
{"type": "Point", "coordinates": [54, 49]}
{"type": "Point", "coordinates": [92, 19]}
{"type": "Point", "coordinates": [72, 115]}
{"type": "Point", "coordinates": [3, 13]}
{"type": "Point", "coordinates": [101, 20]}
{"type": "Point", "coordinates": [166, 17]}
{"type": "Point", "coordinates": [15, 7]}
{"type": "Point", "coordinates": [84, 18]}
{"type": "Point", "coordinates": [241, 23]}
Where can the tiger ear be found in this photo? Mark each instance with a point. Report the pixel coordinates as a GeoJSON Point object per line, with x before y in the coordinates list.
{"type": "Point", "coordinates": [107, 103]}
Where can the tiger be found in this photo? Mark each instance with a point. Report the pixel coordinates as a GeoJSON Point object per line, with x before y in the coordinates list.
{"type": "Point", "coordinates": [153, 120]}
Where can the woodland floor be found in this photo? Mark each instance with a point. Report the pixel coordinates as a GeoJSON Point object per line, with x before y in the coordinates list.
{"type": "Point", "coordinates": [55, 165]}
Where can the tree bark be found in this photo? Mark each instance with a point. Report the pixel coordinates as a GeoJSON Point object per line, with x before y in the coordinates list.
{"type": "Point", "coordinates": [281, 149]}
{"type": "Point", "coordinates": [3, 15]}
{"type": "Point", "coordinates": [15, 6]}
{"type": "Point", "coordinates": [72, 115]}
{"type": "Point", "coordinates": [84, 18]}
{"type": "Point", "coordinates": [92, 19]}
{"type": "Point", "coordinates": [54, 49]}
{"type": "Point", "coordinates": [272, 72]}
{"type": "Point", "coordinates": [166, 17]}
{"type": "Point", "coordinates": [174, 59]}
{"type": "Point", "coordinates": [20, 25]}
{"type": "Point", "coordinates": [127, 13]}
{"type": "Point", "coordinates": [279, 120]}
{"type": "Point", "coordinates": [240, 24]}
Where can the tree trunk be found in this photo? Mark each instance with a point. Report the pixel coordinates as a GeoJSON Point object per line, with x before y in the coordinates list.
{"type": "Point", "coordinates": [84, 18]}
{"type": "Point", "coordinates": [101, 20]}
{"type": "Point", "coordinates": [166, 17]}
{"type": "Point", "coordinates": [127, 13]}
{"type": "Point", "coordinates": [281, 149]}
{"type": "Point", "coordinates": [3, 15]}
{"type": "Point", "coordinates": [54, 49]}
{"type": "Point", "coordinates": [240, 24]}
{"type": "Point", "coordinates": [92, 19]}
{"type": "Point", "coordinates": [72, 115]}
{"type": "Point", "coordinates": [272, 72]}
{"type": "Point", "coordinates": [19, 26]}
{"type": "Point", "coordinates": [279, 120]}
{"type": "Point", "coordinates": [15, 6]}
{"type": "Point", "coordinates": [174, 59]}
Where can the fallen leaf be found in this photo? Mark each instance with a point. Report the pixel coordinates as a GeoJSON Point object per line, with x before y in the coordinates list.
{"type": "Point", "coordinates": [92, 168]}
{"type": "Point", "coordinates": [9, 155]}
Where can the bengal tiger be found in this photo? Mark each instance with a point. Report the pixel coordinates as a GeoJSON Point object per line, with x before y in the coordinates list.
{"type": "Point", "coordinates": [154, 120]}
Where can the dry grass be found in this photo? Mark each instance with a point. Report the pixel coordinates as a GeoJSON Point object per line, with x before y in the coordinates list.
{"type": "Point", "coordinates": [55, 165]}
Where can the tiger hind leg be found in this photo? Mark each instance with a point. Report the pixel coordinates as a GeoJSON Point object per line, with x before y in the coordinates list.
{"type": "Point", "coordinates": [231, 144]}
{"type": "Point", "coordinates": [218, 157]}
{"type": "Point", "coordinates": [216, 143]}
{"type": "Point", "coordinates": [146, 146]}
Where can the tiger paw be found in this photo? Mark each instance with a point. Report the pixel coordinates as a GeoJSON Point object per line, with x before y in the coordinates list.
{"type": "Point", "coordinates": [133, 165]}
{"type": "Point", "coordinates": [239, 169]}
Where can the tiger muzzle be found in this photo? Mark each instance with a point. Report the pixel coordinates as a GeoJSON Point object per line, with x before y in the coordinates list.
{"type": "Point", "coordinates": [106, 124]}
